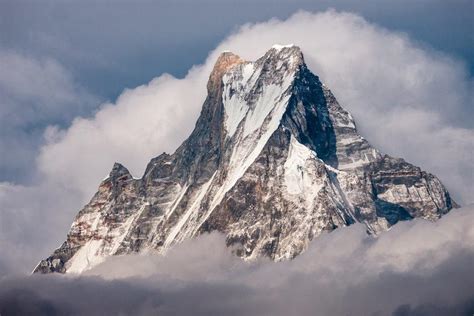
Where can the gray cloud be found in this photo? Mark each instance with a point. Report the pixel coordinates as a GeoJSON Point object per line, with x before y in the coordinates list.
{"type": "Point", "coordinates": [156, 36]}
{"type": "Point", "coordinates": [33, 220]}
{"type": "Point", "coordinates": [417, 268]}
{"type": "Point", "coordinates": [34, 93]}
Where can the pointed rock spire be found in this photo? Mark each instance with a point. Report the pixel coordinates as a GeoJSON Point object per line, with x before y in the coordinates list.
{"type": "Point", "coordinates": [288, 56]}
{"type": "Point", "coordinates": [119, 172]}
{"type": "Point", "coordinates": [224, 62]}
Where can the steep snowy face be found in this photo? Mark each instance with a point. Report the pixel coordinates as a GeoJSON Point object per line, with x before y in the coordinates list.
{"type": "Point", "coordinates": [253, 91]}
{"type": "Point", "coordinates": [272, 163]}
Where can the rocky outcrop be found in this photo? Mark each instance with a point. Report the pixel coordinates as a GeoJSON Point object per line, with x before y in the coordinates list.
{"type": "Point", "coordinates": [272, 163]}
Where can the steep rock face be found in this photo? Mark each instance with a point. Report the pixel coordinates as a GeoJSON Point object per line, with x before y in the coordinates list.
{"type": "Point", "coordinates": [272, 163]}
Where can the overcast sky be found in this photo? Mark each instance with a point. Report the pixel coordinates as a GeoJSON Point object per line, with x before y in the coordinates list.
{"type": "Point", "coordinates": [110, 45]}
{"type": "Point", "coordinates": [84, 84]}
{"type": "Point", "coordinates": [95, 49]}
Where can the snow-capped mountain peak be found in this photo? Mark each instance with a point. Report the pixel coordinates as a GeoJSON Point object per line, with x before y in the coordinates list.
{"type": "Point", "coordinates": [273, 162]}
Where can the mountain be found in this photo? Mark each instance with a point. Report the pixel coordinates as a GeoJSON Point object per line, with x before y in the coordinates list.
{"type": "Point", "coordinates": [273, 162]}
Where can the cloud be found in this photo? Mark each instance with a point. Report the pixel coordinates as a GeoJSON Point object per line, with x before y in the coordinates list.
{"type": "Point", "coordinates": [108, 56]}
{"type": "Point", "coordinates": [34, 93]}
{"type": "Point", "coordinates": [33, 220]}
{"type": "Point", "coordinates": [416, 268]}
{"type": "Point", "coordinates": [141, 124]}
{"type": "Point", "coordinates": [407, 101]}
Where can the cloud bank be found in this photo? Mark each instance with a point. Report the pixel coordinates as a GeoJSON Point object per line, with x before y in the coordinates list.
{"type": "Point", "coordinates": [407, 101]}
{"type": "Point", "coordinates": [416, 268]}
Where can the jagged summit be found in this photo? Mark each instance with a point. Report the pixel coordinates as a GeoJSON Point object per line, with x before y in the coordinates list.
{"type": "Point", "coordinates": [272, 162]}
{"type": "Point", "coordinates": [280, 46]}
{"type": "Point", "coordinates": [225, 61]}
{"type": "Point", "coordinates": [288, 50]}
{"type": "Point", "coordinates": [119, 170]}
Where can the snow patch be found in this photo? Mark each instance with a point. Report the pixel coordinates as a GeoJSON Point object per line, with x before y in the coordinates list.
{"type": "Point", "coordinates": [86, 257]}
{"type": "Point", "coordinates": [176, 202]}
{"type": "Point", "coordinates": [296, 177]}
{"type": "Point", "coordinates": [279, 46]}
{"type": "Point", "coordinates": [237, 84]}
{"type": "Point", "coordinates": [259, 126]}
{"type": "Point", "coordinates": [269, 99]}
{"type": "Point", "coordinates": [194, 208]}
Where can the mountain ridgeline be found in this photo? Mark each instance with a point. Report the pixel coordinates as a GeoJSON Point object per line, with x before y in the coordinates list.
{"type": "Point", "coordinates": [273, 162]}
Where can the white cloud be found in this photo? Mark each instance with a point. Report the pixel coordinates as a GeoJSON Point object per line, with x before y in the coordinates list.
{"type": "Point", "coordinates": [406, 100]}
{"type": "Point", "coordinates": [417, 268]}
{"type": "Point", "coordinates": [141, 124]}
{"type": "Point", "coordinates": [418, 246]}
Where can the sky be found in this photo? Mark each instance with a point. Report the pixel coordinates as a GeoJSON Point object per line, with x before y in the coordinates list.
{"type": "Point", "coordinates": [95, 50]}
{"type": "Point", "coordinates": [83, 86]}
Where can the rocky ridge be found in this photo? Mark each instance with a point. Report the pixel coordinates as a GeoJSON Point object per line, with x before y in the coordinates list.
{"type": "Point", "coordinates": [273, 162]}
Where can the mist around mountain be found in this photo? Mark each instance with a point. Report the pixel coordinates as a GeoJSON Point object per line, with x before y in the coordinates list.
{"type": "Point", "coordinates": [416, 268]}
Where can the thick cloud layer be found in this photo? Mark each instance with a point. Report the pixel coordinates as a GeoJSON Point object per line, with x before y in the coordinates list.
{"type": "Point", "coordinates": [417, 268]}
{"type": "Point", "coordinates": [407, 101]}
